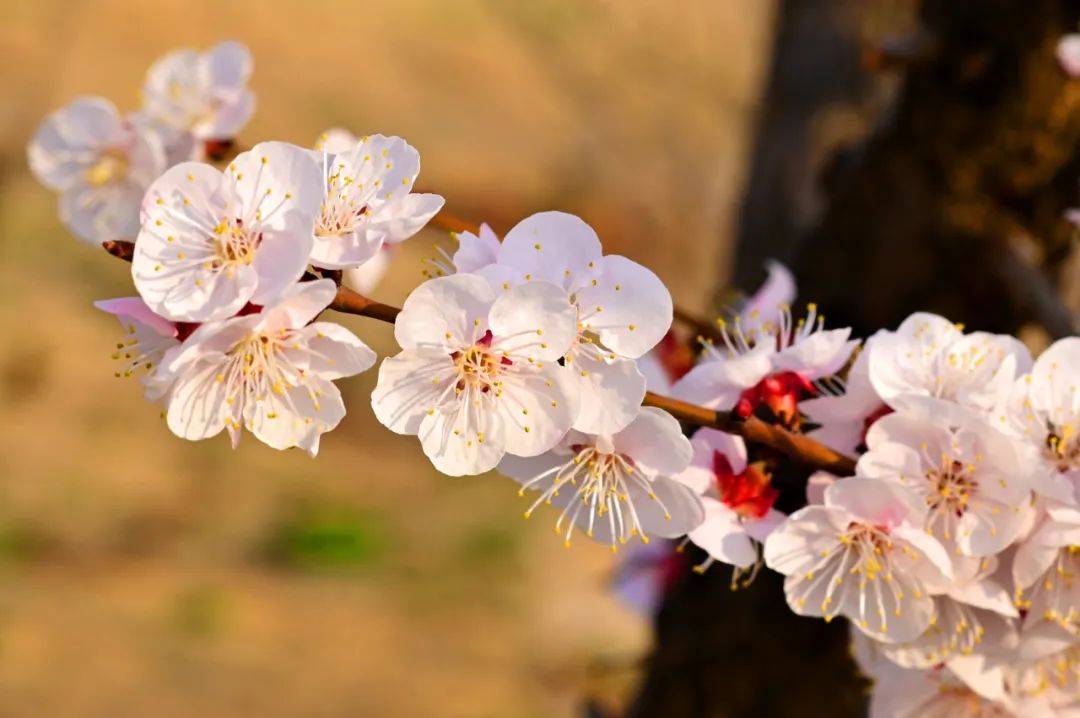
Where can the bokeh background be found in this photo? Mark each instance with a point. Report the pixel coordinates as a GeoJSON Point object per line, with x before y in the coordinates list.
{"type": "Point", "coordinates": [141, 574]}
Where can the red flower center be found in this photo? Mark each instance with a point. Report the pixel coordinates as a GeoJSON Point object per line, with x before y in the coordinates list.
{"type": "Point", "coordinates": [780, 392]}
{"type": "Point", "coordinates": [750, 494]}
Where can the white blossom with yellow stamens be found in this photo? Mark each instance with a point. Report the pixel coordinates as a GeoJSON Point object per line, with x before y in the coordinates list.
{"type": "Point", "coordinates": [148, 339]}
{"type": "Point", "coordinates": [271, 373]}
{"type": "Point", "coordinates": [863, 555]}
{"type": "Point", "coordinates": [212, 242]}
{"type": "Point", "coordinates": [614, 488]}
{"type": "Point", "coordinates": [99, 163]}
{"type": "Point", "coordinates": [478, 375]}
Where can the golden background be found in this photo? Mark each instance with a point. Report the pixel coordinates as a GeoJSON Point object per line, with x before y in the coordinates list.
{"type": "Point", "coordinates": [144, 575]}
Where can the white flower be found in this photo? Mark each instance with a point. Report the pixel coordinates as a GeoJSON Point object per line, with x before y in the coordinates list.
{"type": "Point", "coordinates": [368, 201]}
{"type": "Point", "coordinates": [148, 339]}
{"type": "Point", "coordinates": [623, 310]}
{"type": "Point", "coordinates": [1046, 570]}
{"type": "Point", "coordinates": [1068, 54]}
{"type": "Point", "coordinates": [478, 375]}
{"type": "Point", "coordinates": [965, 473]}
{"type": "Point", "coordinates": [863, 555]}
{"type": "Point", "coordinates": [269, 372]}
{"type": "Point", "coordinates": [929, 357]}
{"type": "Point", "coordinates": [773, 364]}
{"type": "Point", "coordinates": [616, 487]}
{"type": "Point", "coordinates": [1043, 411]}
{"type": "Point", "coordinates": [205, 94]}
{"type": "Point", "coordinates": [476, 251]}
{"type": "Point", "coordinates": [738, 498]}
{"type": "Point", "coordinates": [99, 163]}
{"type": "Point", "coordinates": [211, 242]}
{"type": "Point", "coordinates": [844, 419]}
{"type": "Point", "coordinates": [767, 303]}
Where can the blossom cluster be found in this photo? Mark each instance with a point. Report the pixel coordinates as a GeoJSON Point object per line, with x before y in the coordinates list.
{"type": "Point", "coordinates": [952, 548]}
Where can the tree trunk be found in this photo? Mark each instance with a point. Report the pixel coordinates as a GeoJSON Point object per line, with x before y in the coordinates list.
{"type": "Point", "coordinates": [953, 204]}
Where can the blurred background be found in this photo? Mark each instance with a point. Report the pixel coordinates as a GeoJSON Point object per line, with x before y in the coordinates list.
{"type": "Point", "coordinates": [140, 573]}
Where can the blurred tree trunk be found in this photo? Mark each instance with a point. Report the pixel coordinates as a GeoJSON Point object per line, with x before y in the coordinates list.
{"type": "Point", "coordinates": [951, 203]}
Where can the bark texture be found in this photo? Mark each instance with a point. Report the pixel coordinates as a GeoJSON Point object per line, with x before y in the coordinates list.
{"type": "Point", "coordinates": [951, 203]}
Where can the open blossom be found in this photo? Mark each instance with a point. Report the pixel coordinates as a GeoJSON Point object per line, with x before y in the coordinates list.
{"type": "Point", "coordinates": [773, 364]}
{"type": "Point", "coordinates": [147, 339]}
{"type": "Point", "coordinates": [738, 498]}
{"type": "Point", "coordinates": [622, 308]}
{"type": "Point", "coordinates": [212, 242]}
{"type": "Point", "coordinates": [1045, 681]}
{"type": "Point", "coordinates": [930, 357]}
{"type": "Point", "coordinates": [271, 373]}
{"type": "Point", "coordinates": [614, 488]}
{"type": "Point", "coordinates": [1043, 412]}
{"type": "Point", "coordinates": [966, 473]}
{"type": "Point", "coordinates": [863, 555]}
{"type": "Point", "coordinates": [100, 163]}
{"type": "Point", "coordinates": [1046, 570]}
{"type": "Point", "coordinates": [368, 201]}
{"type": "Point", "coordinates": [478, 374]}
{"type": "Point", "coordinates": [204, 94]}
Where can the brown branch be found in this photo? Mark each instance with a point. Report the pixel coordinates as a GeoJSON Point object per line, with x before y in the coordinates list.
{"type": "Point", "coordinates": [796, 446]}
{"type": "Point", "coordinates": [799, 447]}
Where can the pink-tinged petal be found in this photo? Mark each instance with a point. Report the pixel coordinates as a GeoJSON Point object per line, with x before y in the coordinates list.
{"type": "Point", "coordinates": [410, 385]}
{"type": "Point", "coordinates": [777, 292]}
{"type": "Point", "coordinates": [1068, 54]}
{"type": "Point", "coordinates": [611, 393]}
{"type": "Point", "coordinates": [894, 462]}
{"type": "Point", "coordinates": [655, 442]}
{"type": "Point", "coordinates": [229, 119]}
{"type": "Point", "coordinates": [627, 306]}
{"type": "Point", "coordinates": [69, 141]}
{"type": "Point", "coordinates": [229, 64]}
{"type": "Point", "coordinates": [299, 304]}
{"type": "Point", "coordinates": [722, 536]}
{"type": "Point", "coordinates": [536, 409]}
{"type": "Point", "coordinates": [761, 529]}
{"type": "Point", "coordinates": [797, 543]}
{"type": "Point", "coordinates": [272, 183]}
{"type": "Point", "coordinates": [446, 312]}
{"type": "Point", "coordinates": [98, 214]}
{"type": "Point", "coordinates": [555, 247]}
{"type": "Point", "coordinates": [986, 594]}
{"type": "Point", "coordinates": [197, 405]}
{"type": "Point", "coordinates": [458, 446]}
{"type": "Point", "coordinates": [476, 251]}
{"type": "Point", "coordinates": [821, 354]}
{"type": "Point", "coordinates": [717, 383]}
{"type": "Point", "coordinates": [929, 547]}
{"type": "Point", "coordinates": [336, 352]}
{"type": "Point", "coordinates": [882, 503]}
{"type": "Point", "coordinates": [816, 485]}
{"type": "Point", "coordinates": [533, 321]}
{"type": "Point", "coordinates": [135, 308]}
{"type": "Point", "coordinates": [406, 215]}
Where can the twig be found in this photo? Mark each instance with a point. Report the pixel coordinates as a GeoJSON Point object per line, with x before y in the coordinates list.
{"type": "Point", "coordinates": [796, 446]}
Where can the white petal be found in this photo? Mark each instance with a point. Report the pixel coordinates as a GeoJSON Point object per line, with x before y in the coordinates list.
{"type": "Point", "coordinates": [476, 251]}
{"type": "Point", "coordinates": [197, 407]}
{"type": "Point", "coordinates": [533, 320]}
{"type": "Point", "coordinates": [536, 409]}
{"type": "Point", "coordinates": [336, 352]}
{"type": "Point", "coordinates": [459, 447]}
{"type": "Point", "coordinates": [410, 385]}
{"type": "Point", "coordinates": [655, 442]}
{"type": "Point", "coordinates": [446, 312]}
{"type": "Point", "coordinates": [628, 306]}
{"type": "Point", "coordinates": [722, 536]}
{"type": "Point", "coordinates": [611, 393]}
{"type": "Point", "coordinates": [229, 64]}
{"type": "Point", "coordinates": [553, 246]}
{"type": "Point", "coordinates": [821, 354]}
{"type": "Point", "coordinates": [717, 383]}
{"type": "Point", "coordinates": [882, 503]}
{"type": "Point", "coordinates": [699, 475]}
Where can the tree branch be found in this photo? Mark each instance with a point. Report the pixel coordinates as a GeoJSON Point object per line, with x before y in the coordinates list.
{"type": "Point", "coordinates": [798, 447]}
